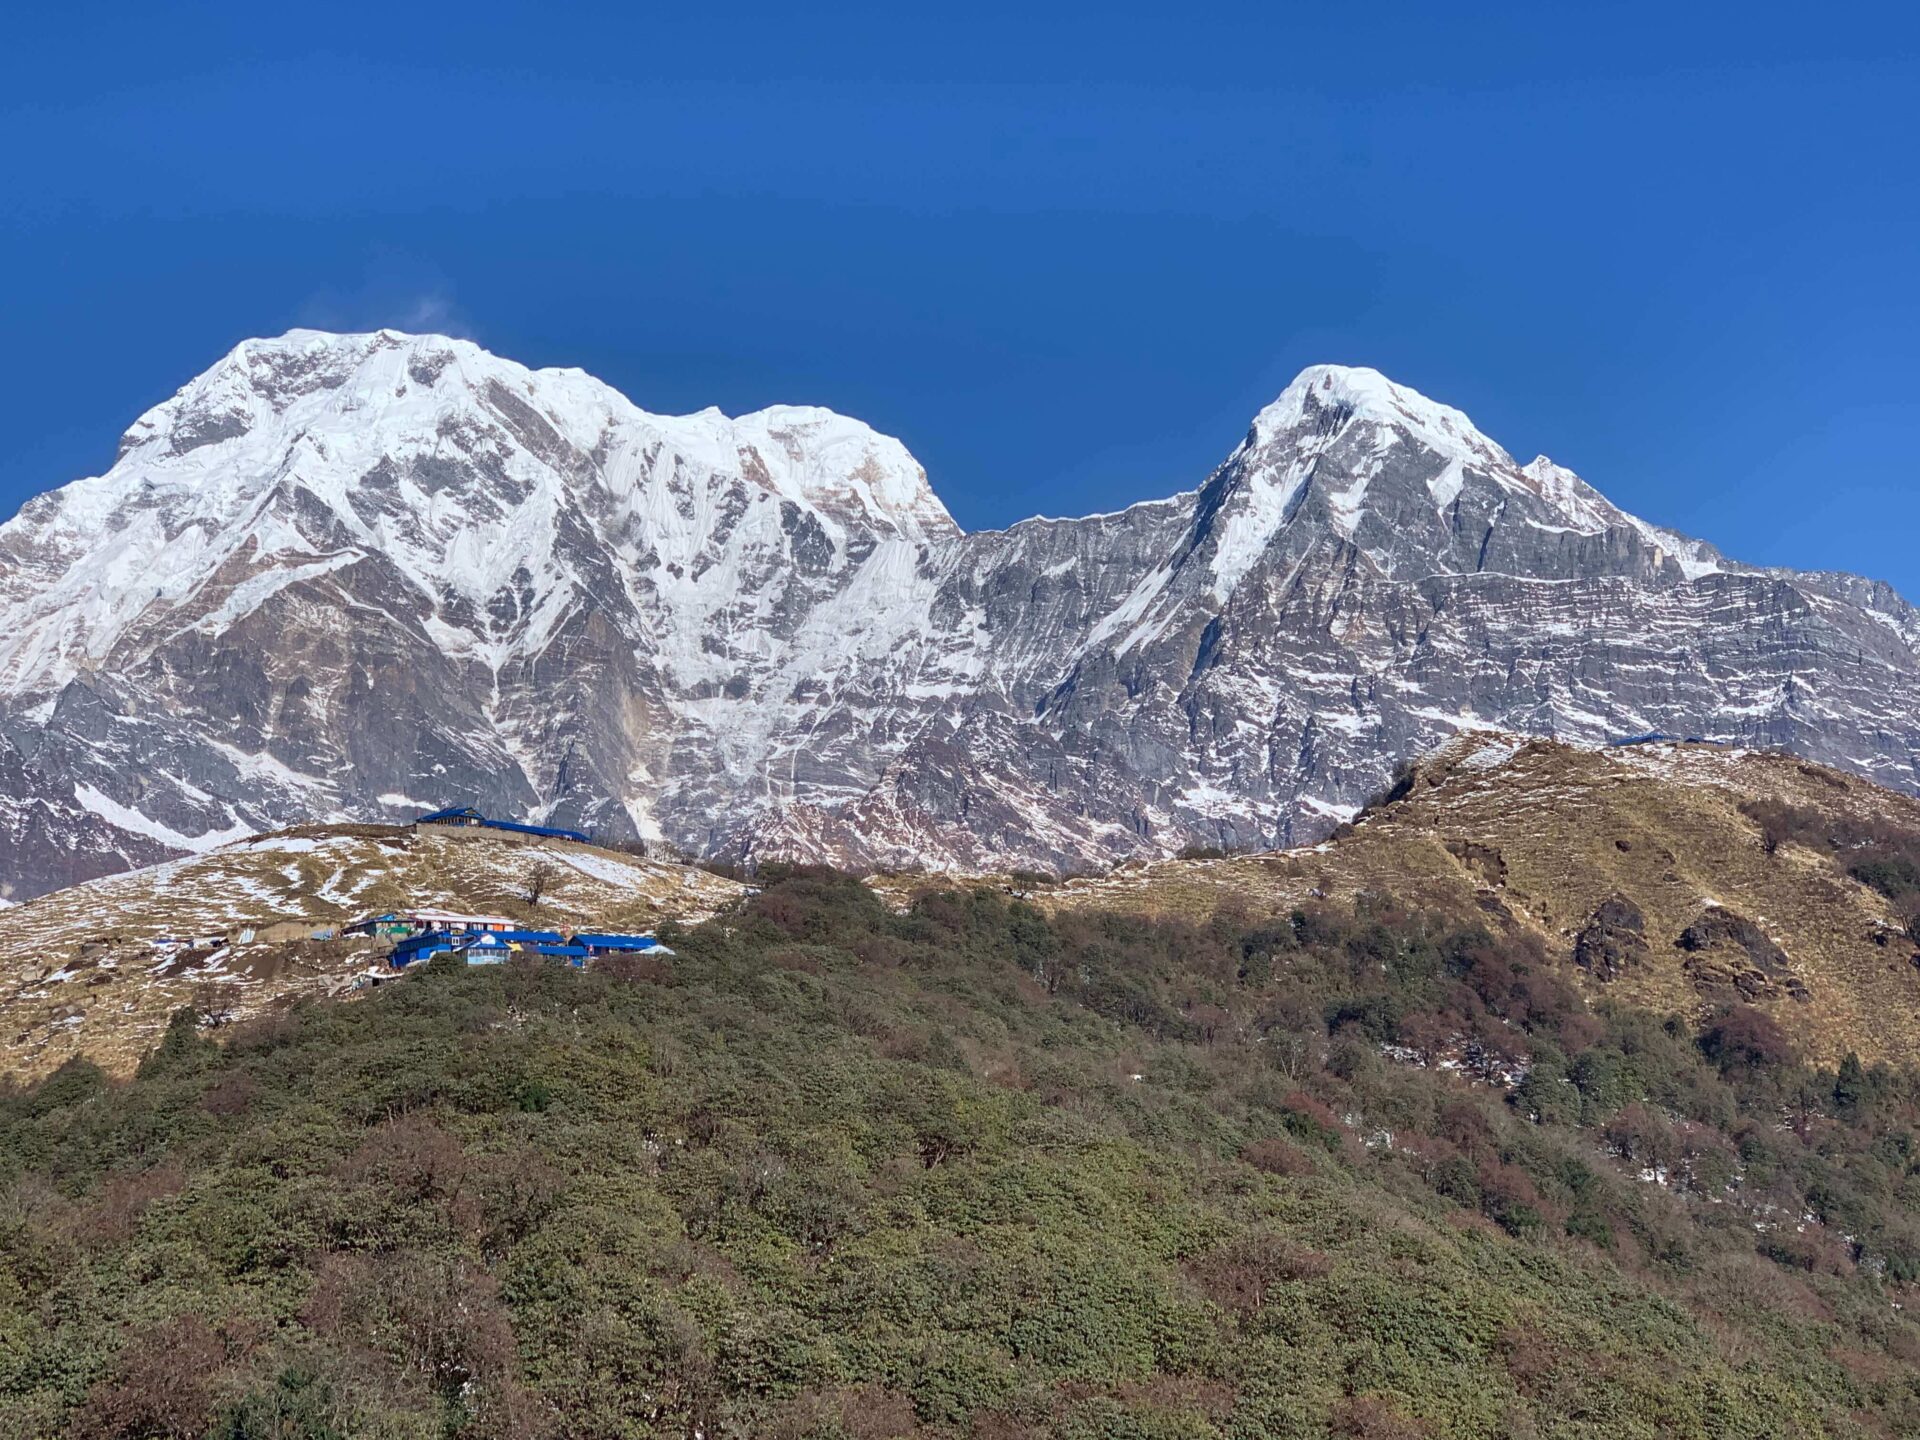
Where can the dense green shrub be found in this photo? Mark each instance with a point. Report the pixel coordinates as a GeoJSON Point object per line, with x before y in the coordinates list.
{"type": "Point", "coordinates": [965, 1171]}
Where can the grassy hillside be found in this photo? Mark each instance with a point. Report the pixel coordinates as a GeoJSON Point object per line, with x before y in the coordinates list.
{"type": "Point", "coordinates": [1680, 879]}
{"type": "Point", "coordinates": [968, 1172]}
{"type": "Point", "coordinates": [1709, 876]}
{"type": "Point", "coordinates": [80, 975]}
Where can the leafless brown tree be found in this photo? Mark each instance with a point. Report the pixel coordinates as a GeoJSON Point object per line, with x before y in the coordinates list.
{"type": "Point", "coordinates": [216, 1003]}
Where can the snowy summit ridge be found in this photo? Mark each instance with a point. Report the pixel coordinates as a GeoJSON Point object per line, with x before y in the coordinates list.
{"type": "Point", "coordinates": [349, 576]}
{"type": "Point", "coordinates": [200, 488]}
{"type": "Point", "coordinates": [1354, 392]}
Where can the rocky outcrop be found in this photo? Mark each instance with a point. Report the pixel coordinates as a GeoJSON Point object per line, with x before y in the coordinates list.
{"type": "Point", "coordinates": [1613, 941]}
{"type": "Point", "coordinates": [1729, 954]}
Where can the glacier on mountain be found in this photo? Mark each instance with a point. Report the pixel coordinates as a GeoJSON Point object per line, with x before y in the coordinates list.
{"type": "Point", "coordinates": [339, 576]}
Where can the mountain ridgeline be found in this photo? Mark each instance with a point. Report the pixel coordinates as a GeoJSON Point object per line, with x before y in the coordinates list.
{"type": "Point", "coordinates": [351, 576]}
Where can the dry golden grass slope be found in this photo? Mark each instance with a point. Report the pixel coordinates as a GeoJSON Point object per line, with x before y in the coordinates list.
{"type": "Point", "coordinates": [1539, 836]}
{"type": "Point", "coordinates": [1607, 857]}
{"type": "Point", "coordinates": [80, 973]}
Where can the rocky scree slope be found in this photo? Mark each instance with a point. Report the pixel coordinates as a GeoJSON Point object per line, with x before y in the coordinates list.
{"type": "Point", "coordinates": [349, 576]}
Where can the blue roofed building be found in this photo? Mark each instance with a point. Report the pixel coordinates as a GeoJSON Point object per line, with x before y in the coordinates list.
{"type": "Point", "coordinates": [416, 948]}
{"type": "Point", "coordinates": [487, 948]}
{"type": "Point", "coordinates": [467, 815]}
{"type": "Point", "coordinates": [620, 945]}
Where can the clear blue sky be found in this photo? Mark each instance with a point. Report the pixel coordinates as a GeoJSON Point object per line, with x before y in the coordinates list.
{"type": "Point", "coordinates": [1065, 253]}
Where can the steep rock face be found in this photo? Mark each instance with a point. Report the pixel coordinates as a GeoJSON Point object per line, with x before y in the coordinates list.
{"type": "Point", "coordinates": [50, 839]}
{"type": "Point", "coordinates": [350, 576]}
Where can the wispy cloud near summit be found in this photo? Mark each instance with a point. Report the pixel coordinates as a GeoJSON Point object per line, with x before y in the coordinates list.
{"type": "Point", "coordinates": [394, 294]}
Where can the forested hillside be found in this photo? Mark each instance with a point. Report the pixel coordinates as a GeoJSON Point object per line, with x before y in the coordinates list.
{"type": "Point", "coordinates": [969, 1171]}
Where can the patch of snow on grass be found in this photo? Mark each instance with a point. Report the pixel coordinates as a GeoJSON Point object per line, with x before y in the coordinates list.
{"type": "Point", "coordinates": [605, 870]}
{"type": "Point", "coordinates": [1492, 755]}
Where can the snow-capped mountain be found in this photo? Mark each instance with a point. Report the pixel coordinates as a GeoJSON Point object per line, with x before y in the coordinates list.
{"type": "Point", "coordinates": [349, 576]}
